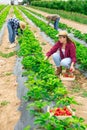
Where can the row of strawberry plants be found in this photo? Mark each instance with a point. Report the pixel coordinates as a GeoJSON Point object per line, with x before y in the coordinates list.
{"type": "Point", "coordinates": [81, 49]}
{"type": "Point", "coordinates": [2, 7]}
{"type": "Point", "coordinates": [81, 18]}
{"type": "Point", "coordinates": [3, 16]}
{"type": "Point", "coordinates": [75, 32]}
{"type": "Point", "coordinates": [44, 87]}
{"type": "Point", "coordinates": [17, 13]}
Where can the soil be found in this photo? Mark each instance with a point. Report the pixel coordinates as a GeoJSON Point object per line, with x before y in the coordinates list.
{"type": "Point", "coordinates": [73, 24]}
{"type": "Point", "coordinates": [9, 102]}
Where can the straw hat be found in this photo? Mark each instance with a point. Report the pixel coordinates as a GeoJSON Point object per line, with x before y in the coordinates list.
{"type": "Point", "coordinates": [22, 25]}
{"type": "Point", "coordinates": [63, 33]}
{"type": "Point", "coordinates": [48, 16]}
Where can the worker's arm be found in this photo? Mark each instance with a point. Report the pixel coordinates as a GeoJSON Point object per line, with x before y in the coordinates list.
{"type": "Point", "coordinates": [49, 19]}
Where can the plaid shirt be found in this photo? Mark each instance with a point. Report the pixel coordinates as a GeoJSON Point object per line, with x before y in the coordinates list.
{"type": "Point", "coordinates": [15, 24]}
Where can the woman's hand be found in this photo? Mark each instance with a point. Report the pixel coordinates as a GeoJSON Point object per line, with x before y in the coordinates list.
{"type": "Point", "coordinates": [72, 68]}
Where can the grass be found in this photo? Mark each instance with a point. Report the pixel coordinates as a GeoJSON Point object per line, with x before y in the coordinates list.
{"type": "Point", "coordinates": [8, 55]}
{"type": "Point", "coordinates": [35, 31]}
{"type": "Point", "coordinates": [84, 94]}
{"type": "Point", "coordinates": [27, 128]}
{"type": "Point", "coordinates": [4, 103]}
{"type": "Point", "coordinates": [43, 43]}
{"type": "Point", "coordinates": [8, 73]}
{"type": "Point", "coordinates": [76, 88]}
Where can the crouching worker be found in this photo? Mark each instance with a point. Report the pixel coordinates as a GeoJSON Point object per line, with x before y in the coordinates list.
{"type": "Point", "coordinates": [13, 25]}
{"type": "Point", "coordinates": [64, 53]}
{"type": "Point", "coordinates": [55, 18]}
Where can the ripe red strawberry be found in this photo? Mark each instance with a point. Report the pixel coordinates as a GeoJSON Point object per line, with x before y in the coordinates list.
{"type": "Point", "coordinates": [56, 114]}
{"type": "Point", "coordinates": [65, 75]}
{"type": "Point", "coordinates": [51, 111]}
{"type": "Point", "coordinates": [61, 111]}
{"type": "Point", "coordinates": [58, 109]}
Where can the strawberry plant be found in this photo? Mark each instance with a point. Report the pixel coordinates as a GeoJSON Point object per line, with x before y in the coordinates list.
{"type": "Point", "coordinates": [36, 93]}
{"type": "Point", "coordinates": [59, 93]}
{"type": "Point", "coordinates": [32, 62]}
{"type": "Point", "coordinates": [66, 101]}
{"type": "Point", "coordinates": [46, 122]}
{"type": "Point", "coordinates": [38, 105]}
{"type": "Point", "coordinates": [2, 7]}
{"type": "Point", "coordinates": [27, 128]}
{"type": "Point", "coordinates": [3, 16]}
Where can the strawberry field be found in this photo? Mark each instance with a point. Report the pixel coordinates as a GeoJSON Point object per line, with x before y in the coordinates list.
{"type": "Point", "coordinates": [46, 102]}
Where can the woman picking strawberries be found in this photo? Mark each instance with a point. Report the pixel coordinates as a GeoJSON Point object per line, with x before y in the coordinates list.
{"type": "Point", "coordinates": [64, 53]}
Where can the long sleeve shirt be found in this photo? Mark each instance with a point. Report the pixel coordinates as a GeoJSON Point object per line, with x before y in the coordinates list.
{"type": "Point", "coordinates": [15, 24]}
{"type": "Point", "coordinates": [53, 17]}
{"type": "Point", "coordinates": [70, 51]}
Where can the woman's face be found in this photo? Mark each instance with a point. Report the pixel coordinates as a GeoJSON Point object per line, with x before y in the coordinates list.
{"type": "Point", "coordinates": [63, 39]}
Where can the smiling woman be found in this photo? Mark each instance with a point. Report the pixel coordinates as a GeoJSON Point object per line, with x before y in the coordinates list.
{"type": "Point", "coordinates": [64, 53]}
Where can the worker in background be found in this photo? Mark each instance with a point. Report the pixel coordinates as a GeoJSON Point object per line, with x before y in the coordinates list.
{"type": "Point", "coordinates": [55, 18]}
{"type": "Point", "coordinates": [13, 24]}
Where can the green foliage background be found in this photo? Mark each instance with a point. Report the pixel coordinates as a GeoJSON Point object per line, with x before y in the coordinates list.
{"type": "Point", "coordinates": [79, 6]}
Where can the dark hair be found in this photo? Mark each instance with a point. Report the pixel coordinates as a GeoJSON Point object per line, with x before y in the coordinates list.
{"type": "Point", "coordinates": [70, 41]}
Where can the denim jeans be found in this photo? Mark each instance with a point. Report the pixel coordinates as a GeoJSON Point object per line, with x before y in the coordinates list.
{"type": "Point", "coordinates": [56, 23]}
{"type": "Point", "coordinates": [66, 62]}
{"type": "Point", "coordinates": [11, 32]}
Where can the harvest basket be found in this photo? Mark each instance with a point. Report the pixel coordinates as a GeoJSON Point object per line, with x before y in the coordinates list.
{"type": "Point", "coordinates": [67, 78]}
{"type": "Point", "coordinates": [62, 116]}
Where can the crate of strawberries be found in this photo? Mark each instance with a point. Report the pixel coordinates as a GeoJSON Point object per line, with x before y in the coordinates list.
{"type": "Point", "coordinates": [61, 113]}
{"type": "Point", "coordinates": [67, 76]}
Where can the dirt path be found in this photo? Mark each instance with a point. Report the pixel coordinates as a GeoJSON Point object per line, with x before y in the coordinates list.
{"type": "Point", "coordinates": [75, 25]}
{"type": "Point", "coordinates": [9, 102]}
{"type": "Point", "coordinates": [79, 83]}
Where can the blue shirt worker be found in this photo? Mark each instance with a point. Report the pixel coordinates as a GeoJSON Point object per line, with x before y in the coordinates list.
{"type": "Point", "coordinates": [13, 25]}
{"type": "Point", "coordinates": [55, 18]}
